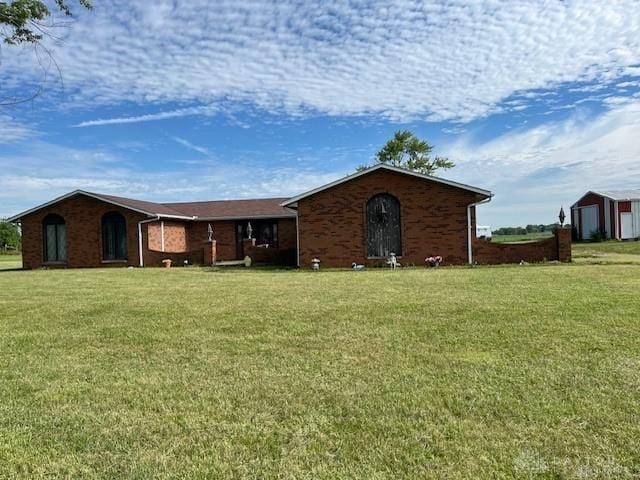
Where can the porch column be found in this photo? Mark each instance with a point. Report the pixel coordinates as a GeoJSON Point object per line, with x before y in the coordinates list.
{"type": "Point", "coordinates": [210, 253]}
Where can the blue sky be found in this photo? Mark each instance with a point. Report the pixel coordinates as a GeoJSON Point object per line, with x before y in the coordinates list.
{"type": "Point", "coordinates": [537, 101]}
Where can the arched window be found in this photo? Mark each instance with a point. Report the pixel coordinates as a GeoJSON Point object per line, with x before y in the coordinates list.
{"type": "Point", "coordinates": [383, 226]}
{"type": "Point", "coordinates": [114, 237]}
{"type": "Point", "coordinates": [54, 238]}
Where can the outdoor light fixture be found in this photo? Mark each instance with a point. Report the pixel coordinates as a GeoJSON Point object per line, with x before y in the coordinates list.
{"type": "Point", "coordinates": [561, 217]}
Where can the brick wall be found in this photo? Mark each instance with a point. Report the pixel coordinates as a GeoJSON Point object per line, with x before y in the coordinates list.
{"type": "Point", "coordinates": [433, 220]}
{"type": "Point", "coordinates": [83, 219]}
{"type": "Point", "coordinates": [557, 247]}
{"type": "Point", "coordinates": [175, 236]}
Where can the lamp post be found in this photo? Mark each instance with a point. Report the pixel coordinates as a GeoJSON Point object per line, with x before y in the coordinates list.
{"type": "Point", "coordinates": [561, 217]}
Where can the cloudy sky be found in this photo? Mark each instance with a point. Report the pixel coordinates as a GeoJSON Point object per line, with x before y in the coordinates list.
{"type": "Point", "coordinates": [536, 100]}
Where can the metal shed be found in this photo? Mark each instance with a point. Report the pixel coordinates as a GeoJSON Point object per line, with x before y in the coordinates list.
{"type": "Point", "coordinates": [613, 213]}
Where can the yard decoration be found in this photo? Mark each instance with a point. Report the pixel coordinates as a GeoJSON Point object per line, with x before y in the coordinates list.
{"type": "Point", "coordinates": [247, 261]}
{"type": "Point", "coordinates": [433, 261]}
{"type": "Point", "coordinates": [356, 266]}
{"type": "Point", "coordinates": [561, 217]}
{"type": "Point", "coordinates": [166, 262]}
{"type": "Point", "coordinates": [315, 264]}
{"type": "Point", "coordinates": [393, 261]}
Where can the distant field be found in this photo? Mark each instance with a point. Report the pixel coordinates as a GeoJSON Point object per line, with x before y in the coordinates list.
{"type": "Point", "coordinates": [521, 238]}
{"type": "Point", "coordinates": [490, 372]}
{"type": "Point", "coordinates": [10, 261]}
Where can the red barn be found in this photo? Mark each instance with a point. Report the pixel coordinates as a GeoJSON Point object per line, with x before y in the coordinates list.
{"type": "Point", "coordinates": [612, 213]}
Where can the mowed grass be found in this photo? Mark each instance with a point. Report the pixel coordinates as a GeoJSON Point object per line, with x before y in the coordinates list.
{"type": "Point", "coordinates": [527, 237]}
{"type": "Point", "coordinates": [606, 252]}
{"type": "Point", "coordinates": [10, 261]}
{"type": "Point", "coordinates": [528, 372]}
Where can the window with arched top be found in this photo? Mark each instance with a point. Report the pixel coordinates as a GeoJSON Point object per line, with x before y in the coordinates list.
{"type": "Point", "coordinates": [54, 238]}
{"type": "Point", "coordinates": [383, 226]}
{"type": "Point", "coordinates": [114, 237]}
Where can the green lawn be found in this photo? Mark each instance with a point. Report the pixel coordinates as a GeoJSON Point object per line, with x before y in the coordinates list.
{"type": "Point", "coordinates": [527, 237]}
{"type": "Point", "coordinates": [10, 261]}
{"type": "Point", "coordinates": [530, 372]}
{"type": "Point", "coordinates": [607, 252]}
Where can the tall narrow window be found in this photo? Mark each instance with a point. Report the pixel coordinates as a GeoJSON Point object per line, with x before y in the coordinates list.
{"type": "Point", "coordinates": [54, 238]}
{"type": "Point", "coordinates": [383, 226]}
{"type": "Point", "coordinates": [114, 237]}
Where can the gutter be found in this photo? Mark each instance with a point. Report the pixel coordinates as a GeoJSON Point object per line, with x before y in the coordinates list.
{"type": "Point", "coordinates": [149, 220]}
{"type": "Point", "coordinates": [469, 232]}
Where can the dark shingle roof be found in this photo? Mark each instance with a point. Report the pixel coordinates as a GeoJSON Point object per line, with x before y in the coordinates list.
{"type": "Point", "coordinates": [147, 207]}
{"type": "Point", "coordinates": [260, 207]}
{"type": "Point", "coordinates": [250, 208]}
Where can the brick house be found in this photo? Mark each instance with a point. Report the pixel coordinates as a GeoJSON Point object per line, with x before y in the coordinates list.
{"type": "Point", "coordinates": [360, 218]}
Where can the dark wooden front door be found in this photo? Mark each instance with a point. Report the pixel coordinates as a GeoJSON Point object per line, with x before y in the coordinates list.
{"type": "Point", "coordinates": [383, 226]}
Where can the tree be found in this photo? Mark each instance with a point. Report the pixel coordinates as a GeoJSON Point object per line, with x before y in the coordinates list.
{"type": "Point", "coordinates": [405, 150]}
{"type": "Point", "coordinates": [22, 21]}
{"type": "Point", "coordinates": [26, 21]}
{"type": "Point", "coordinates": [9, 235]}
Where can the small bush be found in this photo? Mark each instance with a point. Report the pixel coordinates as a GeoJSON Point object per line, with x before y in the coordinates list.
{"type": "Point", "coordinates": [597, 236]}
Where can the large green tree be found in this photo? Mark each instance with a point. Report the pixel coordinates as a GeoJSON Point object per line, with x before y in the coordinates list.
{"type": "Point", "coordinates": [9, 235]}
{"type": "Point", "coordinates": [406, 150]}
{"type": "Point", "coordinates": [24, 21]}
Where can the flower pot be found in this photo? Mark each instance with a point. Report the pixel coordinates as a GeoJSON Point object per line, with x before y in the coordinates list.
{"type": "Point", "coordinates": [166, 263]}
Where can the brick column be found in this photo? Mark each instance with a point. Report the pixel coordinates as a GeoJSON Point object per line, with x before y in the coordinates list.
{"type": "Point", "coordinates": [210, 253]}
{"type": "Point", "coordinates": [563, 244]}
{"type": "Point", "coordinates": [247, 244]}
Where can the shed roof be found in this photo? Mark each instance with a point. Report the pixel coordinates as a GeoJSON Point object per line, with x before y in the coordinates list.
{"type": "Point", "coordinates": [620, 195]}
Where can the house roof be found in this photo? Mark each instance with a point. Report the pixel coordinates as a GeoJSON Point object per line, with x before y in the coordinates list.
{"type": "Point", "coordinates": [238, 209]}
{"type": "Point", "coordinates": [230, 209]}
{"type": "Point", "coordinates": [292, 202]}
{"type": "Point", "coordinates": [213, 210]}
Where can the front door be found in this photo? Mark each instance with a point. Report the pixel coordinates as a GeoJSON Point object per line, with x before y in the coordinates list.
{"type": "Point", "coordinates": [383, 226]}
{"type": "Point", "coordinates": [626, 225]}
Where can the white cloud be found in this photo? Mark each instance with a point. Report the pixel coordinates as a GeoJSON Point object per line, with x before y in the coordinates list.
{"type": "Point", "coordinates": [13, 131]}
{"type": "Point", "coordinates": [397, 59]}
{"type": "Point", "coordinates": [534, 171]}
{"type": "Point", "coordinates": [46, 171]}
{"type": "Point", "coordinates": [192, 146]}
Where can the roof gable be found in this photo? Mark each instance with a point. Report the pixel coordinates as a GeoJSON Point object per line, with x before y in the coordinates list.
{"type": "Point", "coordinates": [147, 208]}
{"type": "Point", "coordinates": [382, 166]}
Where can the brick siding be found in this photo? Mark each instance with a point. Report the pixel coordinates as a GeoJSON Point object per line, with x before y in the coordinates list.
{"type": "Point", "coordinates": [83, 219]}
{"type": "Point", "coordinates": [433, 220]}
{"type": "Point", "coordinates": [183, 240]}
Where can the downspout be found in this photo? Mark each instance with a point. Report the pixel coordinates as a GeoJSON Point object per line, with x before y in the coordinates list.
{"type": "Point", "coordinates": [469, 232]}
{"type": "Point", "coordinates": [616, 222]}
{"type": "Point", "coordinates": [149, 220]}
{"type": "Point", "coordinates": [297, 241]}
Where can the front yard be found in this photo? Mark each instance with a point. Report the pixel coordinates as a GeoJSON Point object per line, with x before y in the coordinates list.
{"type": "Point", "coordinates": [449, 373]}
